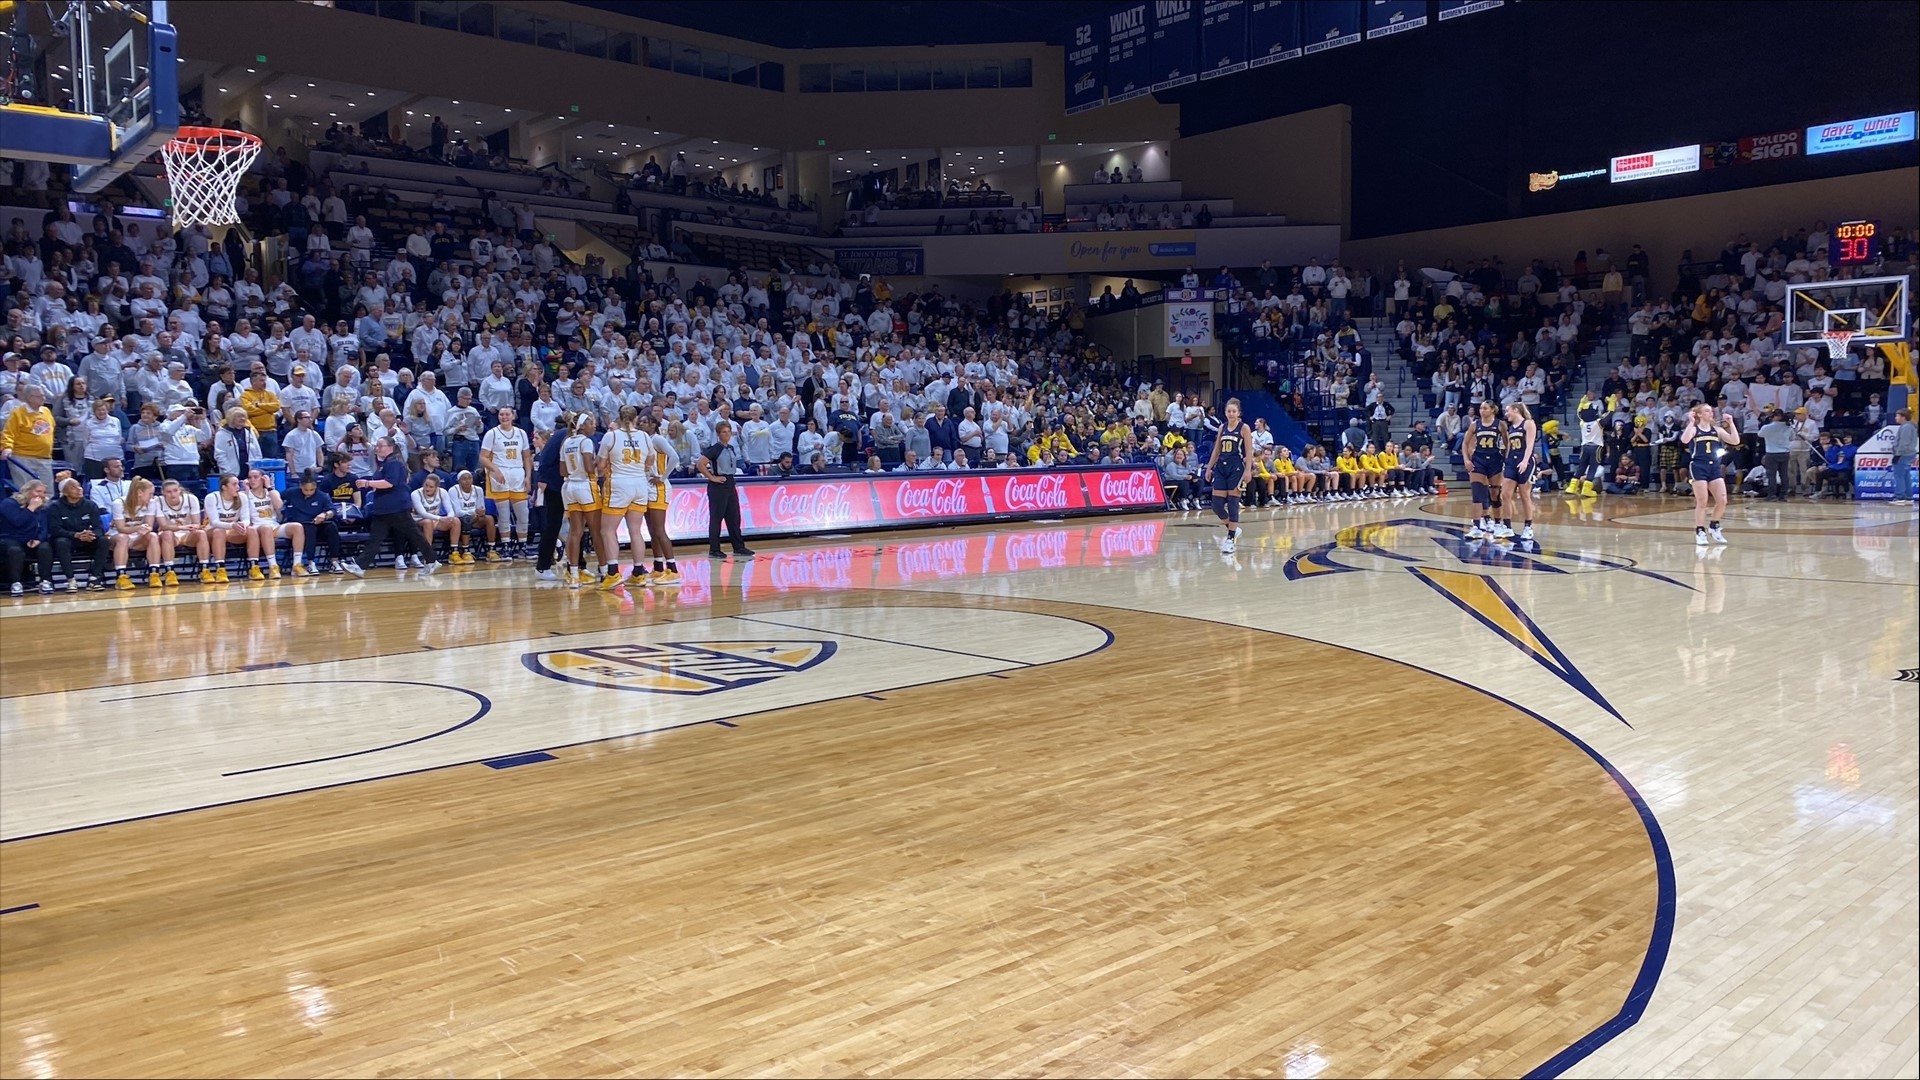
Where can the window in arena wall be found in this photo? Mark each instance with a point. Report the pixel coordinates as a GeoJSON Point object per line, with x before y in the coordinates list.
{"type": "Point", "coordinates": [773, 76]}
{"type": "Point", "coordinates": [915, 75]}
{"type": "Point", "coordinates": [516, 26]}
{"type": "Point", "coordinates": [440, 14]}
{"type": "Point", "coordinates": [477, 18]}
{"type": "Point", "coordinates": [882, 75]}
{"type": "Point", "coordinates": [659, 53]}
{"type": "Point", "coordinates": [553, 34]}
{"type": "Point", "coordinates": [950, 75]}
{"type": "Point", "coordinates": [816, 78]}
{"type": "Point", "coordinates": [1016, 73]}
{"type": "Point", "coordinates": [590, 40]}
{"type": "Point", "coordinates": [849, 78]}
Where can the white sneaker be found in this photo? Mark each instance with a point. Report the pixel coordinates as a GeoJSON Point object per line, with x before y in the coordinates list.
{"type": "Point", "coordinates": [417, 561]}
{"type": "Point", "coordinates": [1226, 546]}
{"type": "Point", "coordinates": [352, 567]}
{"type": "Point", "coordinates": [1474, 533]}
{"type": "Point", "coordinates": [548, 575]}
{"type": "Point", "coordinates": [46, 587]}
{"type": "Point", "coordinates": [1718, 536]}
{"type": "Point", "coordinates": [18, 589]}
{"type": "Point", "coordinates": [1700, 537]}
{"type": "Point", "coordinates": [73, 583]}
{"type": "Point", "coordinates": [428, 569]}
{"type": "Point", "coordinates": [1503, 531]}
{"type": "Point", "coordinates": [1526, 533]}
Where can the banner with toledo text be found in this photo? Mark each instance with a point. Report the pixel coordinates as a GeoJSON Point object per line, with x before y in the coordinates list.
{"type": "Point", "coordinates": [1176, 43]}
{"type": "Point", "coordinates": [1330, 24]}
{"type": "Point", "coordinates": [1385, 17]}
{"type": "Point", "coordinates": [1086, 65]}
{"type": "Point", "coordinates": [1129, 63]}
{"type": "Point", "coordinates": [1273, 32]}
{"type": "Point", "coordinates": [1223, 38]}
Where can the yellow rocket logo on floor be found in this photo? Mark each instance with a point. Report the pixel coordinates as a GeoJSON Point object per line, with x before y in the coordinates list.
{"type": "Point", "coordinates": [690, 668]}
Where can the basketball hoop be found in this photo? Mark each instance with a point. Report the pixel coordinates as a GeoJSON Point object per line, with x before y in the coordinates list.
{"type": "Point", "coordinates": [204, 166]}
{"type": "Point", "coordinates": [1837, 342]}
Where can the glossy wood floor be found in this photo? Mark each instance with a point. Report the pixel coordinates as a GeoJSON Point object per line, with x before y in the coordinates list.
{"type": "Point", "coordinates": [1069, 800]}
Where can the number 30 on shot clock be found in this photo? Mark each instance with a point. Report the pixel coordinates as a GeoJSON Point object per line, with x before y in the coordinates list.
{"type": "Point", "coordinates": [1854, 243]}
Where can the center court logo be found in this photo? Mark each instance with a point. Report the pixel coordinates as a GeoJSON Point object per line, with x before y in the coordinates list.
{"type": "Point", "coordinates": [684, 668]}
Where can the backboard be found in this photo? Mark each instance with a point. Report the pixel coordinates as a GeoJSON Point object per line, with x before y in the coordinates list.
{"type": "Point", "coordinates": [1873, 311]}
{"type": "Point", "coordinates": [90, 83]}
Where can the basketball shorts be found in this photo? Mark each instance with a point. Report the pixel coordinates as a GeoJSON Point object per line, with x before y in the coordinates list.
{"type": "Point", "coordinates": [579, 495]}
{"type": "Point", "coordinates": [1705, 472]}
{"type": "Point", "coordinates": [626, 492]}
{"type": "Point", "coordinates": [1518, 470]}
{"type": "Point", "coordinates": [1486, 464]}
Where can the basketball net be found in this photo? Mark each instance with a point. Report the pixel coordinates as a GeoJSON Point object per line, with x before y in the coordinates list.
{"type": "Point", "coordinates": [204, 167]}
{"type": "Point", "coordinates": [1837, 342]}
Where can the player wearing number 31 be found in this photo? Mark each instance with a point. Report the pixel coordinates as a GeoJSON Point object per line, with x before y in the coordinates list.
{"type": "Point", "coordinates": [1707, 440]}
{"type": "Point", "coordinates": [1228, 469]}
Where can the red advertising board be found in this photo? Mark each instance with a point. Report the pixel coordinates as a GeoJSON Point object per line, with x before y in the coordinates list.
{"type": "Point", "coordinates": [840, 502]}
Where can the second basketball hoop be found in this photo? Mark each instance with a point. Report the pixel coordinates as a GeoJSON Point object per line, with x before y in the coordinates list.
{"type": "Point", "coordinates": [204, 167]}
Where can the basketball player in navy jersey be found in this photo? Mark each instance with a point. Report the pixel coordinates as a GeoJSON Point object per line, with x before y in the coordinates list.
{"type": "Point", "coordinates": [1227, 471]}
{"type": "Point", "coordinates": [1486, 435]}
{"type": "Point", "coordinates": [1707, 440]}
{"type": "Point", "coordinates": [1517, 475]}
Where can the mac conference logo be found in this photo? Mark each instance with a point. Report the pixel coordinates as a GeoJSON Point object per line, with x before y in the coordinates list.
{"type": "Point", "coordinates": [685, 668]}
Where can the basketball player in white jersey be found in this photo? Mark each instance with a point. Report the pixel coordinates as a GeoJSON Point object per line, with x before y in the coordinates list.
{"type": "Point", "coordinates": [269, 520]}
{"type": "Point", "coordinates": [627, 464]}
{"type": "Point", "coordinates": [178, 522]}
{"type": "Point", "coordinates": [506, 455]}
{"type": "Point", "coordinates": [228, 521]}
{"type": "Point", "coordinates": [666, 461]}
{"type": "Point", "coordinates": [578, 465]}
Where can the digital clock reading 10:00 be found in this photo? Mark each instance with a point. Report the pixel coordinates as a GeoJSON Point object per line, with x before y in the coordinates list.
{"type": "Point", "coordinates": [1854, 243]}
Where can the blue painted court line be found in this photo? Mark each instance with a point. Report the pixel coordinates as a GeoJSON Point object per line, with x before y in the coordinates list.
{"type": "Point", "coordinates": [873, 697]}
{"type": "Point", "coordinates": [22, 907]}
{"type": "Point", "coordinates": [723, 723]}
{"type": "Point", "coordinates": [519, 759]}
{"type": "Point", "coordinates": [265, 667]}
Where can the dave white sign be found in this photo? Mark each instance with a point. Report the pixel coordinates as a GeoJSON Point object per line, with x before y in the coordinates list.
{"type": "Point", "coordinates": [1652, 163]}
{"type": "Point", "coordinates": [1859, 134]}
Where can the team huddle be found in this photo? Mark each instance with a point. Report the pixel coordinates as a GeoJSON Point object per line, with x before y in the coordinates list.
{"type": "Point", "coordinates": [622, 479]}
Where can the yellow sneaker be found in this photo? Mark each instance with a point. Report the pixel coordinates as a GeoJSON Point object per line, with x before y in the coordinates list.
{"type": "Point", "coordinates": [664, 577]}
{"type": "Point", "coordinates": [464, 558]}
{"type": "Point", "coordinates": [220, 575]}
{"type": "Point", "coordinates": [124, 582]}
{"type": "Point", "coordinates": [1587, 489]}
{"type": "Point", "coordinates": [1573, 487]}
{"type": "Point", "coordinates": [493, 555]}
{"type": "Point", "coordinates": [156, 578]}
{"type": "Point", "coordinates": [173, 578]}
{"type": "Point", "coordinates": [254, 573]}
{"type": "Point", "coordinates": [273, 569]}
{"type": "Point", "coordinates": [304, 569]}
{"type": "Point", "coordinates": [206, 576]}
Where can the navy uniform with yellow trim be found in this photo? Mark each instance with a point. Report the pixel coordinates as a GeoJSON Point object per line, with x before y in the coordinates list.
{"type": "Point", "coordinates": [1231, 462]}
{"type": "Point", "coordinates": [1704, 452]}
{"type": "Point", "coordinates": [1483, 441]}
{"type": "Point", "coordinates": [1519, 467]}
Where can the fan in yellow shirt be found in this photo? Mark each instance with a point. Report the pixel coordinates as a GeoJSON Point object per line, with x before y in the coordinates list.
{"type": "Point", "coordinates": [1259, 481]}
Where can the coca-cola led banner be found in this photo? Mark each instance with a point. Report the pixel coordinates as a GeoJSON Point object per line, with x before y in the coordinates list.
{"type": "Point", "coordinates": [844, 502]}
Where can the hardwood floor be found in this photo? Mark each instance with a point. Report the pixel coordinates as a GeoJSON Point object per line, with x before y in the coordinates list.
{"type": "Point", "coordinates": [1050, 800]}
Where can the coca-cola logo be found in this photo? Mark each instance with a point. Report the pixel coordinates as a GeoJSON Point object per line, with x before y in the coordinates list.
{"type": "Point", "coordinates": [1130, 541]}
{"type": "Point", "coordinates": [1042, 492]}
{"type": "Point", "coordinates": [828, 569]}
{"type": "Point", "coordinates": [1138, 488]}
{"type": "Point", "coordinates": [939, 558]}
{"type": "Point", "coordinates": [687, 513]}
{"type": "Point", "coordinates": [937, 498]}
{"type": "Point", "coordinates": [815, 505]}
{"type": "Point", "coordinates": [1027, 551]}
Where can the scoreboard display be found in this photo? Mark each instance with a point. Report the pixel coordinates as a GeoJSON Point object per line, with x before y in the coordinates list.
{"type": "Point", "coordinates": [1854, 243]}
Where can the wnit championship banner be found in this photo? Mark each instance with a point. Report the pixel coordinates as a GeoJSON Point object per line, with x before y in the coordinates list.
{"type": "Point", "coordinates": [844, 502]}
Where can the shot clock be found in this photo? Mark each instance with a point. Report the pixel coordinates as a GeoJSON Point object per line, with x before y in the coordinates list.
{"type": "Point", "coordinates": [1854, 243]}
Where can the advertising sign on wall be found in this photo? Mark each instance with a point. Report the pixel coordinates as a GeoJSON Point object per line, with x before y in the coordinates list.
{"type": "Point", "coordinates": [838, 502]}
{"type": "Point", "coordinates": [1189, 324]}
{"type": "Point", "coordinates": [1860, 134]}
{"type": "Point", "coordinates": [1651, 163]}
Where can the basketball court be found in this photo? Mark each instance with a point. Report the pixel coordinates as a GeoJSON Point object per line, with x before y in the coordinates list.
{"type": "Point", "coordinates": [1078, 799]}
